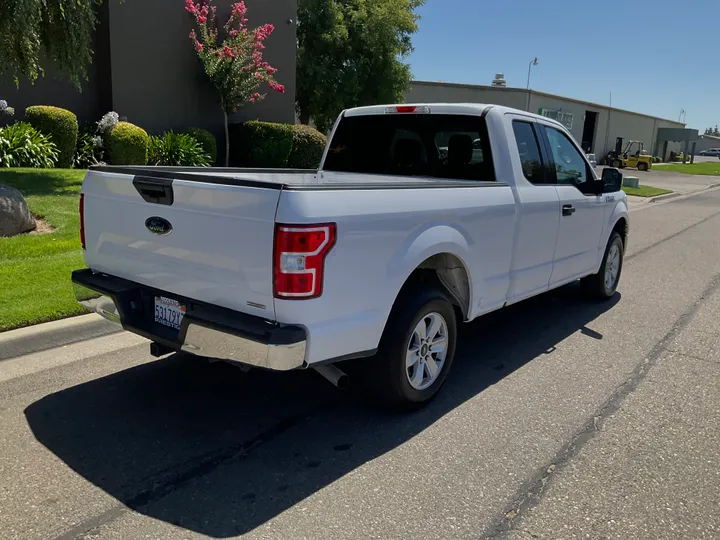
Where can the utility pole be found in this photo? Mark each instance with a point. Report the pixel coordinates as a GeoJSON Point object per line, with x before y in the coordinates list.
{"type": "Point", "coordinates": [607, 128]}
{"type": "Point", "coordinates": [533, 62]}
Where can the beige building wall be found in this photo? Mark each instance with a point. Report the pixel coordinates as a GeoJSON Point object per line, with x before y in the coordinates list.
{"type": "Point", "coordinates": [705, 142]}
{"type": "Point", "coordinates": [610, 123]}
{"type": "Point", "coordinates": [430, 92]}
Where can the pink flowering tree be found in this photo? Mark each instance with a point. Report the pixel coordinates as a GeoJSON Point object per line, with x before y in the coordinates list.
{"type": "Point", "coordinates": [232, 57]}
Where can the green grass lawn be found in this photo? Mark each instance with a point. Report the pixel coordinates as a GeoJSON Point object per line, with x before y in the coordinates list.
{"type": "Point", "coordinates": [711, 168]}
{"type": "Point", "coordinates": [645, 191]}
{"type": "Point", "coordinates": [35, 270]}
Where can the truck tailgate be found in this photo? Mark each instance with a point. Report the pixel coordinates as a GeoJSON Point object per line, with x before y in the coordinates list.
{"type": "Point", "coordinates": [212, 242]}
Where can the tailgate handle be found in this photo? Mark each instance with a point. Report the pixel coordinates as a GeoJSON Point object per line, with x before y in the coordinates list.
{"type": "Point", "coordinates": [155, 190]}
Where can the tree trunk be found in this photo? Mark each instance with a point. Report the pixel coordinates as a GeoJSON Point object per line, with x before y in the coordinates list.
{"type": "Point", "coordinates": [227, 140]}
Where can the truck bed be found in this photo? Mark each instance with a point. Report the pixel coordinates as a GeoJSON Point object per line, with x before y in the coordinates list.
{"type": "Point", "coordinates": [288, 179]}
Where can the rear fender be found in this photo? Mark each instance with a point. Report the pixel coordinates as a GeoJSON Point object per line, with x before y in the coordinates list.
{"type": "Point", "coordinates": [424, 244]}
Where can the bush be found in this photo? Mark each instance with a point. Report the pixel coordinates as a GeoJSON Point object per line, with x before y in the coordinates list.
{"type": "Point", "coordinates": [207, 141]}
{"type": "Point", "coordinates": [308, 145]}
{"type": "Point", "coordinates": [87, 152]}
{"type": "Point", "coordinates": [21, 145]}
{"type": "Point", "coordinates": [127, 144]}
{"type": "Point", "coordinates": [58, 124]}
{"type": "Point", "coordinates": [260, 144]}
{"type": "Point", "coordinates": [177, 150]}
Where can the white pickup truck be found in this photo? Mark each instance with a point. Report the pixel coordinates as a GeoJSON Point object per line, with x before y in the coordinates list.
{"type": "Point", "coordinates": [419, 216]}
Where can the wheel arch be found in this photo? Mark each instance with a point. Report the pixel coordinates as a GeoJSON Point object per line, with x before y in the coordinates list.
{"type": "Point", "coordinates": [442, 250]}
{"type": "Point", "coordinates": [622, 227]}
{"type": "Point", "coordinates": [449, 272]}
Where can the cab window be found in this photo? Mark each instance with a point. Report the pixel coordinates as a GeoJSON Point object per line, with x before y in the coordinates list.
{"type": "Point", "coordinates": [570, 167]}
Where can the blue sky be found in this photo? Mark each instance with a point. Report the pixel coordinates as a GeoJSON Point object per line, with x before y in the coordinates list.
{"type": "Point", "coordinates": [657, 60]}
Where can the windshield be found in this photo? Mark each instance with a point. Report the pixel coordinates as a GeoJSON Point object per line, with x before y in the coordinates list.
{"type": "Point", "coordinates": [428, 145]}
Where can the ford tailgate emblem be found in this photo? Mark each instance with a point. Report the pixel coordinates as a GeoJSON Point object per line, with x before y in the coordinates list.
{"type": "Point", "coordinates": [158, 225]}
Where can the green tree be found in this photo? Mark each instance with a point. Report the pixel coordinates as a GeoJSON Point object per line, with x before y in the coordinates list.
{"type": "Point", "coordinates": [61, 31]}
{"type": "Point", "coordinates": [351, 53]}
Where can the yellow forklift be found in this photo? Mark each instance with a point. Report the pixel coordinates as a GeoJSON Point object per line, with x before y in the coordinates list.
{"type": "Point", "coordinates": [624, 157]}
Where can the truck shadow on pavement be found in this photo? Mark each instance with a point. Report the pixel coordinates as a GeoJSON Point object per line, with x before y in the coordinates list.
{"type": "Point", "coordinates": [217, 451]}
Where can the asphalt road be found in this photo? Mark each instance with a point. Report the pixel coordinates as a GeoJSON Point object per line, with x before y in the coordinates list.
{"type": "Point", "coordinates": [561, 419]}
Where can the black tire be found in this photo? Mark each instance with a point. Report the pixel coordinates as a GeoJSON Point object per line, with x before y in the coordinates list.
{"type": "Point", "coordinates": [594, 285]}
{"type": "Point", "coordinates": [386, 373]}
{"type": "Point", "coordinates": [642, 166]}
{"type": "Point", "coordinates": [617, 164]}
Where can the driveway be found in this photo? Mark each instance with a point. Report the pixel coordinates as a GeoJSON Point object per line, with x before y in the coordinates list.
{"type": "Point", "coordinates": [562, 418]}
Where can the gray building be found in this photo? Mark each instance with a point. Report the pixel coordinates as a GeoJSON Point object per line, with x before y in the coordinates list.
{"type": "Point", "coordinates": [146, 69]}
{"type": "Point", "coordinates": [594, 126]}
{"type": "Point", "coordinates": [705, 142]}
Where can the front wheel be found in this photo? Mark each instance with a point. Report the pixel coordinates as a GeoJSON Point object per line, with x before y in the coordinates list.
{"type": "Point", "coordinates": [416, 350]}
{"type": "Point", "coordinates": [603, 285]}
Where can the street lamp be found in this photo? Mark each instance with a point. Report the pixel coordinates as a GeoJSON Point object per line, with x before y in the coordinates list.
{"type": "Point", "coordinates": [533, 62]}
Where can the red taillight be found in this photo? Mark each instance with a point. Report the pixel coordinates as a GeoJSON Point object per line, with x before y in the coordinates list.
{"type": "Point", "coordinates": [406, 109]}
{"type": "Point", "coordinates": [300, 252]}
{"type": "Point", "coordinates": [82, 220]}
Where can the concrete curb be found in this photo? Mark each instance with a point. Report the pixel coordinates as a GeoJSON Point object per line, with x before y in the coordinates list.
{"type": "Point", "coordinates": [41, 337]}
{"type": "Point", "coordinates": [667, 196]}
{"type": "Point", "coordinates": [661, 199]}
{"type": "Point", "coordinates": [675, 194]}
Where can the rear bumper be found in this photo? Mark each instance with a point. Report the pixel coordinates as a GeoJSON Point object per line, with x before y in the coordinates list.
{"type": "Point", "coordinates": [206, 330]}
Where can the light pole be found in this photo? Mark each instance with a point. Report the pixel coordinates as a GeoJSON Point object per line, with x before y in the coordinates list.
{"type": "Point", "coordinates": [533, 62]}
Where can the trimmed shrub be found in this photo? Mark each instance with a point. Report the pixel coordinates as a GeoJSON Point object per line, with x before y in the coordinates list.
{"type": "Point", "coordinates": [127, 144]}
{"type": "Point", "coordinates": [207, 141]}
{"type": "Point", "coordinates": [308, 145]}
{"type": "Point", "coordinates": [58, 124]}
{"type": "Point", "coordinates": [177, 150]}
{"type": "Point", "coordinates": [21, 145]}
{"type": "Point", "coordinates": [260, 144]}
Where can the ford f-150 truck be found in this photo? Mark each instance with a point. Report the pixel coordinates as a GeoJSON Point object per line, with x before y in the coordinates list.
{"type": "Point", "coordinates": [419, 216]}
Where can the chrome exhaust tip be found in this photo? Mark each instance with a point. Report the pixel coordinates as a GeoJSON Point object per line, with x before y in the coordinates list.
{"type": "Point", "coordinates": [334, 374]}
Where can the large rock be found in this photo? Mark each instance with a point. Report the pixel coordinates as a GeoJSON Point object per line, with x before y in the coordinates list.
{"type": "Point", "coordinates": [15, 217]}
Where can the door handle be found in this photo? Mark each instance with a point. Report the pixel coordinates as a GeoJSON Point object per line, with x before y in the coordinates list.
{"type": "Point", "coordinates": [568, 210]}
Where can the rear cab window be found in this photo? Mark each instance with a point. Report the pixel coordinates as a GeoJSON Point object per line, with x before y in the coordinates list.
{"type": "Point", "coordinates": [442, 146]}
{"type": "Point", "coordinates": [528, 148]}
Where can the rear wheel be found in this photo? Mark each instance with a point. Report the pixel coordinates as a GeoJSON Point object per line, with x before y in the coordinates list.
{"type": "Point", "coordinates": [604, 284]}
{"type": "Point", "coordinates": [416, 350]}
{"type": "Point", "coordinates": [642, 166]}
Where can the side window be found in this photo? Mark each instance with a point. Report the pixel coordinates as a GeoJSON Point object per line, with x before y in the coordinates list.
{"type": "Point", "coordinates": [570, 167]}
{"type": "Point", "coordinates": [529, 150]}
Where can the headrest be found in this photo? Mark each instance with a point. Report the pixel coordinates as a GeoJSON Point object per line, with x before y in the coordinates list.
{"type": "Point", "coordinates": [460, 150]}
{"type": "Point", "coordinates": [408, 152]}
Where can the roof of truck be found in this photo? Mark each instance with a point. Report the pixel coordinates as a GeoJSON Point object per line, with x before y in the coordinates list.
{"type": "Point", "coordinates": [441, 108]}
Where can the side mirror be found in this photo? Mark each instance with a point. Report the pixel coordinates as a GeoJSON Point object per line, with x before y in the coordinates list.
{"type": "Point", "coordinates": [611, 180]}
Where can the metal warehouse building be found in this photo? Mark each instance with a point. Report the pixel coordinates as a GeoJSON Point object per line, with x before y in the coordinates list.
{"type": "Point", "coordinates": [594, 126]}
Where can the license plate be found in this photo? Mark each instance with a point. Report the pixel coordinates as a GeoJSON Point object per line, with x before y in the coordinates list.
{"type": "Point", "coordinates": [169, 312]}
